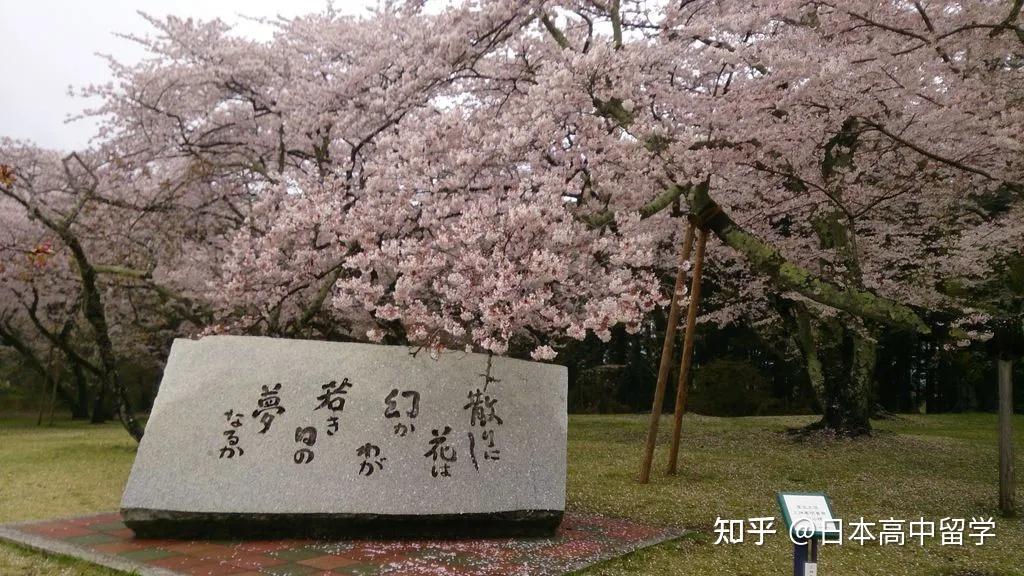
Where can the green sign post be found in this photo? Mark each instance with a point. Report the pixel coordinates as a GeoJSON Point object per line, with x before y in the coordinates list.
{"type": "Point", "coordinates": [809, 518]}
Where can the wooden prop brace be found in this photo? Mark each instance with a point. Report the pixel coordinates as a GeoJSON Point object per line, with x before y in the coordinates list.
{"type": "Point", "coordinates": [695, 224]}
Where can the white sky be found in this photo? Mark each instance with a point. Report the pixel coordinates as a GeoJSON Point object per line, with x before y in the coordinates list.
{"type": "Point", "coordinates": [48, 45]}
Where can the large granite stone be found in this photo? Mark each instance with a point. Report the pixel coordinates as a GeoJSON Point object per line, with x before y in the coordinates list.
{"type": "Point", "coordinates": [260, 437]}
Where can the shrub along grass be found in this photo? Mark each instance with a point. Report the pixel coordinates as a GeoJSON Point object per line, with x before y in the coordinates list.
{"type": "Point", "coordinates": [913, 466]}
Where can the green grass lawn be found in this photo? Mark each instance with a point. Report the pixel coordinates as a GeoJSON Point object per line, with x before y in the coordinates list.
{"type": "Point", "coordinates": [931, 466]}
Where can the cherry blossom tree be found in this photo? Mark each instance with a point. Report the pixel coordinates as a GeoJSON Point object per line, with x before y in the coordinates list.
{"type": "Point", "coordinates": [26, 250]}
{"type": "Point", "coordinates": [886, 152]}
{"type": "Point", "coordinates": [826, 136]}
{"type": "Point", "coordinates": [509, 175]}
{"type": "Point", "coordinates": [92, 252]}
{"type": "Point", "coordinates": [346, 215]}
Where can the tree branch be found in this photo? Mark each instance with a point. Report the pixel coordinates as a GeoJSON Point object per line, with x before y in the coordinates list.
{"type": "Point", "coordinates": [786, 275]}
{"type": "Point", "coordinates": [616, 17]}
{"type": "Point", "coordinates": [938, 158]}
{"type": "Point", "coordinates": [659, 203]}
{"type": "Point", "coordinates": [557, 34]}
{"type": "Point", "coordinates": [147, 279]}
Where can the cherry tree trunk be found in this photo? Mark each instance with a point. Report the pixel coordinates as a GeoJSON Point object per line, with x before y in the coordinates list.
{"type": "Point", "coordinates": [80, 407]}
{"type": "Point", "coordinates": [76, 403]}
{"type": "Point", "coordinates": [100, 411]}
{"type": "Point", "coordinates": [841, 365]}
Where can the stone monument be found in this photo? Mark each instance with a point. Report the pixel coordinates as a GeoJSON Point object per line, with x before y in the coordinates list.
{"type": "Point", "coordinates": [262, 437]}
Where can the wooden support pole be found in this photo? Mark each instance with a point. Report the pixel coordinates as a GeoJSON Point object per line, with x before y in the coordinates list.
{"type": "Point", "coordinates": [687, 359]}
{"type": "Point", "coordinates": [1006, 476]}
{"type": "Point", "coordinates": [666, 355]}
